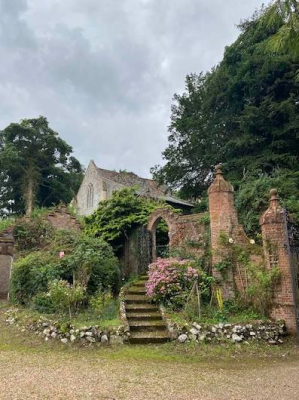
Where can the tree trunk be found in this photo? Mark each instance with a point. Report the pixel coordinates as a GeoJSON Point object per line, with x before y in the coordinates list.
{"type": "Point", "coordinates": [29, 190]}
{"type": "Point", "coordinates": [29, 197]}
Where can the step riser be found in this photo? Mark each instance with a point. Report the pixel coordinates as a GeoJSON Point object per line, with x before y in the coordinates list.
{"type": "Point", "coordinates": [139, 301]}
{"type": "Point", "coordinates": [137, 292]}
{"type": "Point", "coordinates": [148, 328]}
{"type": "Point", "coordinates": [148, 318]}
{"type": "Point", "coordinates": [138, 310]}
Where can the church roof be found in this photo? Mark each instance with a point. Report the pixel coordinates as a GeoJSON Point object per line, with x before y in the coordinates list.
{"type": "Point", "coordinates": [147, 187]}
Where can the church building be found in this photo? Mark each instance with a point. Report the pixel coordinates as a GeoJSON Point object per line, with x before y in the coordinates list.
{"type": "Point", "coordinates": [99, 184]}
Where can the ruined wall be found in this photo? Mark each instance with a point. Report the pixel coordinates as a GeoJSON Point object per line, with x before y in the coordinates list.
{"type": "Point", "coordinates": [62, 219]}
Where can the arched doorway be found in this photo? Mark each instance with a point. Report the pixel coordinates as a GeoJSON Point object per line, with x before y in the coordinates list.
{"type": "Point", "coordinates": [161, 224]}
{"type": "Point", "coordinates": [162, 238]}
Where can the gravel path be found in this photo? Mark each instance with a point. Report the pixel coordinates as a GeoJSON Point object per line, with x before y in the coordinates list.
{"type": "Point", "coordinates": [33, 369]}
{"type": "Point", "coordinates": [54, 375]}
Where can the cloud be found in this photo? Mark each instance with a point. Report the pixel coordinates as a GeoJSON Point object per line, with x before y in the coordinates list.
{"type": "Point", "coordinates": [104, 72]}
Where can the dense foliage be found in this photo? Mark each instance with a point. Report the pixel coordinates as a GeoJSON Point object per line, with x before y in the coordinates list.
{"type": "Point", "coordinates": [80, 262]}
{"type": "Point", "coordinates": [256, 281]}
{"type": "Point", "coordinates": [117, 217]}
{"type": "Point", "coordinates": [283, 14]}
{"type": "Point", "coordinates": [245, 114]}
{"type": "Point", "coordinates": [32, 234]}
{"type": "Point", "coordinates": [36, 167]}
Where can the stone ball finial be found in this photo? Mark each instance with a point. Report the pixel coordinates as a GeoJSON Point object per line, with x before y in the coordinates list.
{"type": "Point", "coordinates": [274, 214]}
{"type": "Point", "coordinates": [274, 199]}
{"type": "Point", "coordinates": [219, 168]}
{"type": "Point", "coordinates": [273, 192]}
{"type": "Point", "coordinates": [274, 196]}
{"type": "Point", "coordinates": [219, 184]}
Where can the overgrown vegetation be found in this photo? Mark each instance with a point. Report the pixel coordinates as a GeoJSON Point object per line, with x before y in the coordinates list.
{"type": "Point", "coordinates": [6, 223]}
{"type": "Point", "coordinates": [115, 218]}
{"type": "Point", "coordinates": [257, 283]}
{"type": "Point", "coordinates": [63, 272]}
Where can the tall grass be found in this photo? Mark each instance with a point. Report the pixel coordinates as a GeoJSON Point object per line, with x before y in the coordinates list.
{"type": "Point", "coordinates": [6, 223]}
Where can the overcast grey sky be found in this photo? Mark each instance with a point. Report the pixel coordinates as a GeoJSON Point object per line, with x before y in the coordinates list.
{"type": "Point", "coordinates": [104, 71]}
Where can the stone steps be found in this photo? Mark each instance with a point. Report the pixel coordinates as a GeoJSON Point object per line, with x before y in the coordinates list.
{"type": "Point", "coordinates": [139, 284]}
{"type": "Point", "coordinates": [141, 307]}
{"type": "Point", "coordinates": [149, 337]}
{"type": "Point", "coordinates": [137, 291]}
{"type": "Point", "coordinates": [145, 320]}
{"type": "Point", "coordinates": [144, 316]}
{"type": "Point", "coordinates": [147, 326]}
{"type": "Point", "coordinates": [136, 299]}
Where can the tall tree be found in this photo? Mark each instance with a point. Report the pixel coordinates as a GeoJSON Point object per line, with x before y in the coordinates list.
{"type": "Point", "coordinates": [283, 14]}
{"type": "Point", "coordinates": [244, 113]}
{"type": "Point", "coordinates": [36, 166]}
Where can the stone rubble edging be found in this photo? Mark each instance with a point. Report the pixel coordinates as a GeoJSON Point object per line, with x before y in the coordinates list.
{"type": "Point", "coordinates": [86, 335]}
{"type": "Point", "coordinates": [270, 332]}
{"type": "Point", "coordinates": [123, 314]}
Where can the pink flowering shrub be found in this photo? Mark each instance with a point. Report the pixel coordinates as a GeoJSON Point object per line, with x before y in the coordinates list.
{"type": "Point", "coordinates": [170, 281]}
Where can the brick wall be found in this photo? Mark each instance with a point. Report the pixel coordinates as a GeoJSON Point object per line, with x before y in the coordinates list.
{"type": "Point", "coordinates": [273, 229]}
{"type": "Point", "coordinates": [185, 231]}
{"type": "Point", "coordinates": [62, 219]}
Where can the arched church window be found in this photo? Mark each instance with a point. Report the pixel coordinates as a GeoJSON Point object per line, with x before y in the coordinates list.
{"type": "Point", "coordinates": [105, 189]}
{"type": "Point", "coordinates": [90, 195]}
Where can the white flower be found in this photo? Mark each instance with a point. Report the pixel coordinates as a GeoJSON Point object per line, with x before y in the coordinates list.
{"type": "Point", "coordinates": [231, 240]}
{"type": "Point", "coordinates": [252, 241]}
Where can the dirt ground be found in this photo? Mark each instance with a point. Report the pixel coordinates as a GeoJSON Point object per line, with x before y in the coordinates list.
{"type": "Point", "coordinates": [31, 369]}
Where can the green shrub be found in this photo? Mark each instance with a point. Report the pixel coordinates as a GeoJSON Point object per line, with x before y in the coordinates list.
{"type": "Point", "coordinates": [88, 262]}
{"type": "Point", "coordinates": [43, 303]}
{"type": "Point", "coordinates": [252, 198]}
{"type": "Point", "coordinates": [66, 297]}
{"type": "Point", "coordinates": [261, 285]}
{"type": "Point", "coordinates": [31, 275]}
{"type": "Point", "coordinates": [64, 240]}
{"type": "Point", "coordinates": [100, 300]}
{"type": "Point", "coordinates": [94, 265]}
{"type": "Point", "coordinates": [32, 234]}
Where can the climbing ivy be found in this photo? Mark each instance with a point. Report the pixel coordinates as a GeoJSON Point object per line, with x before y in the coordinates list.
{"type": "Point", "coordinates": [115, 218]}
